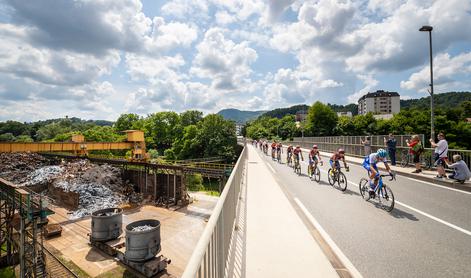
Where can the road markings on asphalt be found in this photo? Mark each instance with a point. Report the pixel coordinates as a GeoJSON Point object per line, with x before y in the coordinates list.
{"type": "Point", "coordinates": [271, 168]}
{"type": "Point", "coordinates": [346, 262]}
{"type": "Point", "coordinates": [439, 186]}
{"type": "Point", "coordinates": [436, 219]}
{"type": "Point", "coordinates": [414, 209]}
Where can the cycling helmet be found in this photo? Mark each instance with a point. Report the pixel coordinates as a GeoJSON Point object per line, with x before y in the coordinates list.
{"type": "Point", "coordinates": [314, 146]}
{"type": "Point", "coordinates": [382, 153]}
{"type": "Point", "coordinates": [341, 151]}
{"type": "Point", "coordinates": [298, 146]}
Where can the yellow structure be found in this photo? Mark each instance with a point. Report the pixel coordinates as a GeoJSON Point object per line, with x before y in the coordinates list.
{"type": "Point", "coordinates": [135, 142]}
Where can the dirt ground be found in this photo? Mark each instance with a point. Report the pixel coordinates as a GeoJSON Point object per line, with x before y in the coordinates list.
{"type": "Point", "coordinates": [180, 231]}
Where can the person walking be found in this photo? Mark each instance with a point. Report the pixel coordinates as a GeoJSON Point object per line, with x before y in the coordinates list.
{"type": "Point", "coordinates": [440, 155]}
{"type": "Point", "coordinates": [461, 171]}
{"type": "Point", "coordinates": [367, 145]}
{"type": "Point", "coordinates": [415, 149]}
{"type": "Point", "coordinates": [391, 146]}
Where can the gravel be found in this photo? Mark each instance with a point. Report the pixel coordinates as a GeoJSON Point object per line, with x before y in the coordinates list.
{"type": "Point", "coordinates": [142, 228]}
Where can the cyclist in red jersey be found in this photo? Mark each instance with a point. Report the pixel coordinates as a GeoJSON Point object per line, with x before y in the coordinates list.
{"type": "Point", "coordinates": [314, 157]}
{"type": "Point", "coordinates": [334, 160]}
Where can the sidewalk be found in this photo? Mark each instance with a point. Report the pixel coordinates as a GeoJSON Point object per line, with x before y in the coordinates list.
{"type": "Point", "coordinates": [278, 244]}
{"type": "Point", "coordinates": [425, 175]}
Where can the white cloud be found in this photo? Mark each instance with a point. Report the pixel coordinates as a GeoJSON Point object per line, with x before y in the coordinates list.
{"type": "Point", "coordinates": [446, 70]}
{"type": "Point", "coordinates": [167, 36]}
{"type": "Point", "coordinates": [186, 9]}
{"type": "Point", "coordinates": [224, 18]}
{"type": "Point", "coordinates": [224, 62]}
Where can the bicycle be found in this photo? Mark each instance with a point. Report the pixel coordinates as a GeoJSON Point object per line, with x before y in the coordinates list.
{"type": "Point", "coordinates": [289, 160]}
{"type": "Point", "coordinates": [382, 193]}
{"type": "Point", "coordinates": [407, 159]}
{"type": "Point", "coordinates": [316, 174]}
{"type": "Point", "coordinates": [337, 177]}
{"type": "Point", "coordinates": [278, 156]}
{"type": "Point", "coordinates": [297, 166]}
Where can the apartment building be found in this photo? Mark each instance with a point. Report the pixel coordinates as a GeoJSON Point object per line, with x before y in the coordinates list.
{"type": "Point", "coordinates": [379, 103]}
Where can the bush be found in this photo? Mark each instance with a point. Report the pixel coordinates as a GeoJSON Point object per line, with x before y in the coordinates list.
{"type": "Point", "coordinates": [195, 182]}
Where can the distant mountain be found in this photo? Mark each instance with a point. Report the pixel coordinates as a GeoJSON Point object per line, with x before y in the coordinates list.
{"type": "Point", "coordinates": [444, 100]}
{"type": "Point", "coordinates": [239, 116]}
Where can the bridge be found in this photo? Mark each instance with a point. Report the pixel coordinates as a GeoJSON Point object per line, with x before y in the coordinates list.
{"type": "Point", "coordinates": [272, 222]}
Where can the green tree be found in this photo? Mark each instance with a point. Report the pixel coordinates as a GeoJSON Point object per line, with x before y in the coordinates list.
{"type": "Point", "coordinates": [321, 120]}
{"type": "Point", "coordinates": [191, 117]}
{"type": "Point", "coordinates": [102, 134]}
{"type": "Point", "coordinates": [7, 137]}
{"type": "Point", "coordinates": [24, 139]}
{"type": "Point", "coordinates": [218, 135]}
{"type": "Point", "coordinates": [162, 129]}
{"type": "Point", "coordinates": [126, 122]}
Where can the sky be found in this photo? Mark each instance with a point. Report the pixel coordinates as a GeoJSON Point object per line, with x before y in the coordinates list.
{"type": "Point", "coordinates": [97, 59]}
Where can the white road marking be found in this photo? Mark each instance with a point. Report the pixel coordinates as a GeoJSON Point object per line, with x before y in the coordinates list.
{"type": "Point", "coordinates": [453, 226]}
{"type": "Point", "coordinates": [439, 186]}
{"type": "Point", "coordinates": [346, 262]}
{"type": "Point", "coordinates": [436, 219]}
{"type": "Point", "coordinates": [271, 168]}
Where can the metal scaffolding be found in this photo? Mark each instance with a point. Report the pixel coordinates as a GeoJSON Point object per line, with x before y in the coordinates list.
{"type": "Point", "coordinates": [22, 216]}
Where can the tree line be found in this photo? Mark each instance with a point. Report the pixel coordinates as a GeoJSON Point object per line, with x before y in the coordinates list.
{"type": "Point", "coordinates": [322, 120]}
{"type": "Point", "coordinates": [177, 136]}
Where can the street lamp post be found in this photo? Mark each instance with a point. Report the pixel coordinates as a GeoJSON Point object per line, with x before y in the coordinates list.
{"type": "Point", "coordinates": [432, 127]}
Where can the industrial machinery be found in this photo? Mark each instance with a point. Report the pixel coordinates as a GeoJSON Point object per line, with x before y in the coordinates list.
{"type": "Point", "coordinates": [141, 246]}
{"type": "Point", "coordinates": [134, 141]}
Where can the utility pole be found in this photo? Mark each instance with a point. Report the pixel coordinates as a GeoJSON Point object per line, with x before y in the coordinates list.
{"type": "Point", "coordinates": [432, 125]}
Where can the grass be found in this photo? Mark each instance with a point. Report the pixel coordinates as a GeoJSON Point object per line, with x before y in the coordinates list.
{"type": "Point", "coordinates": [7, 272]}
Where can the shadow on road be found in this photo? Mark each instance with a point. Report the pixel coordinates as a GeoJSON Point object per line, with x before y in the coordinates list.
{"type": "Point", "coordinates": [397, 213]}
{"type": "Point", "coordinates": [351, 192]}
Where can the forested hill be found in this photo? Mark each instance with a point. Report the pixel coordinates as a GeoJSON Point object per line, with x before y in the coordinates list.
{"type": "Point", "coordinates": [281, 112]}
{"type": "Point", "coordinates": [239, 116]}
{"type": "Point", "coordinates": [444, 100]}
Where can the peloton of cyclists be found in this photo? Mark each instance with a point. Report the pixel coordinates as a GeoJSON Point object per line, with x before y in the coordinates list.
{"type": "Point", "coordinates": [314, 158]}
{"type": "Point", "coordinates": [336, 157]}
{"type": "Point", "coordinates": [370, 165]}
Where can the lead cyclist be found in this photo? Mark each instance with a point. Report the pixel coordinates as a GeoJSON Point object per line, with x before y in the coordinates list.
{"type": "Point", "coordinates": [370, 165]}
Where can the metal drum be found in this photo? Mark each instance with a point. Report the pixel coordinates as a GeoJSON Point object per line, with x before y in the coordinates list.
{"type": "Point", "coordinates": [106, 224]}
{"type": "Point", "coordinates": [142, 240]}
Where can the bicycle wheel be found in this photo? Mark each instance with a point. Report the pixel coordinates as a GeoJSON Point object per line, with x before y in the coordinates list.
{"type": "Point", "coordinates": [404, 160]}
{"type": "Point", "coordinates": [427, 163]}
{"type": "Point", "coordinates": [386, 197]}
{"type": "Point", "coordinates": [317, 174]}
{"type": "Point", "coordinates": [363, 186]}
{"type": "Point", "coordinates": [342, 181]}
{"type": "Point", "coordinates": [330, 177]}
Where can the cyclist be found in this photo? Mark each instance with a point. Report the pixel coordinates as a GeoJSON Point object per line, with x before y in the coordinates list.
{"type": "Point", "coordinates": [334, 160]}
{"type": "Point", "coordinates": [313, 155]}
{"type": "Point", "coordinates": [297, 152]}
{"type": "Point", "coordinates": [273, 149]}
{"type": "Point", "coordinates": [279, 150]}
{"type": "Point", "coordinates": [370, 165]}
{"type": "Point", "coordinates": [289, 153]}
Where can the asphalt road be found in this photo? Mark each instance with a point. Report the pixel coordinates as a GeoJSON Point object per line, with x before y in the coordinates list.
{"type": "Point", "coordinates": [428, 234]}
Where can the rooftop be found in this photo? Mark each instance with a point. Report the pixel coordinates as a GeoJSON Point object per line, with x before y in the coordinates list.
{"type": "Point", "coordinates": [379, 93]}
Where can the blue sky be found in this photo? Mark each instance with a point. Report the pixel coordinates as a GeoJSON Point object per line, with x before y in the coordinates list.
{"type": "Point", "coordinates": [98, 59]}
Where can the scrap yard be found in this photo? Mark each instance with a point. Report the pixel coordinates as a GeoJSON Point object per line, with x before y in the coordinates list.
{"type": "Point", "coordinates": [65, 215]}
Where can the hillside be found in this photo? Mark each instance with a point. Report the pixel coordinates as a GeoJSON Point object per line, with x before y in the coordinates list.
{"type": "Point", "coordinates": [445, 100]}
{"type": "Point", "coordinates": [281, 112]}
{"type": "Point", "coordinates": [239, 116]}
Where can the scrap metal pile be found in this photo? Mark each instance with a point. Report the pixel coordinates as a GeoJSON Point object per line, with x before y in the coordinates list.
{"type": "Point", "coordinates": [99, 186]}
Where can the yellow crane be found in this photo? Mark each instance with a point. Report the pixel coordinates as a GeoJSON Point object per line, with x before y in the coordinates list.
{"type": "Point", "coordinates": [134, 141]}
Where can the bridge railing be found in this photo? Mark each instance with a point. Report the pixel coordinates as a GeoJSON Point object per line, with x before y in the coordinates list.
{"type": "Point", "coordinates": [354, 147]}
{"type": "Point", "coordinates": [210, 255]}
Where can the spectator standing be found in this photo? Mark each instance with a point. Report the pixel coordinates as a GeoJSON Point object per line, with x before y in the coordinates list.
{"type": "Point", "coordinates": [415, 149]}
{"type": "Point", "coordinates": [461, 171]}
{"type": "Point", "coordinates": [367, 145]}
{"type": "Point", "coordinates": [440, 155]}
{"type": "Point", "coordinates": [391, 146]}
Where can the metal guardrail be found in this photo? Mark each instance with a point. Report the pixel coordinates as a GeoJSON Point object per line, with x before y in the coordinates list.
{"type": "Point", "coordinates": [353, 146]}
{"type": "Point", "coordinates": [210, 255]}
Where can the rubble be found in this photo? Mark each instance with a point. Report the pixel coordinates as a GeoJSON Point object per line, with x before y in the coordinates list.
{"type": "Point", "coordinates": [142, 228]}
{"type": "Point", "coordinates": [17, 166]}
{"type": "Point", "coordinates": [99, 186]}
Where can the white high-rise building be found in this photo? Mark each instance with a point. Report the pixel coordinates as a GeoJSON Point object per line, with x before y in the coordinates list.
{"type": "Point", "coordinates": [379, 103]}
